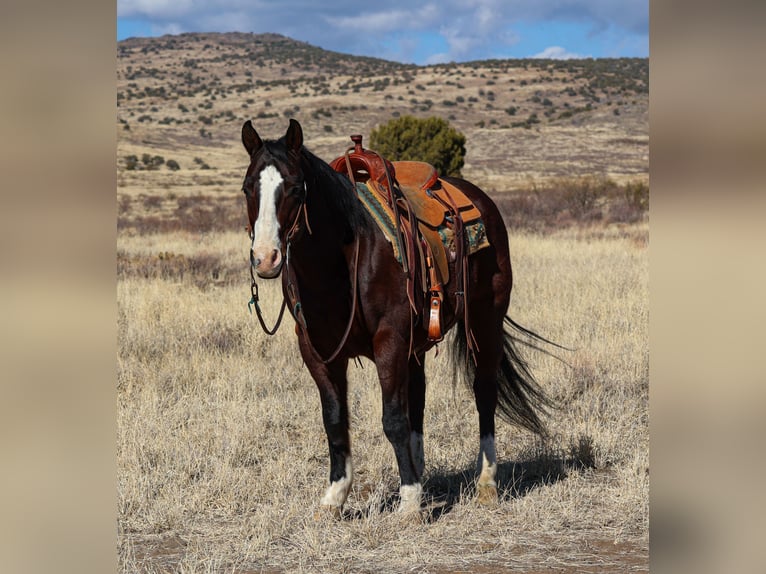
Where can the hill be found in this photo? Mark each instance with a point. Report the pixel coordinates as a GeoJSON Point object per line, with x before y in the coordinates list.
{"type": "Point", "coordinates": [181, 101]}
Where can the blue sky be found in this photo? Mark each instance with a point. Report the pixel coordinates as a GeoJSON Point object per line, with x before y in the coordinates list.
{"type": "Point", "coordinates": [420, 32]}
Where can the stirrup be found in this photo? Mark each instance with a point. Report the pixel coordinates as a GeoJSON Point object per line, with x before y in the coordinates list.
{"type": "Point", "coordinates": [434, 318]}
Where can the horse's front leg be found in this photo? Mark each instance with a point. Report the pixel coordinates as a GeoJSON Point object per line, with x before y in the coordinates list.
{"type": "Point", "coordinates": [417, 403]}
{"type": "Point", "coordinates": [392, 365]}
{"type": "Point", "coordinates": [332, 385]}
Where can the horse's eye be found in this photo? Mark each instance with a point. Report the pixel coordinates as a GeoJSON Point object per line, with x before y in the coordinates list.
{"type": "Point", "coordinates": [247, 186]}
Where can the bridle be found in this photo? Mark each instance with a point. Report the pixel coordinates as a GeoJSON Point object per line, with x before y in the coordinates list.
{"type": "Point", "coordinates": [296, 231]}
{"type": "Point", "coordinates": [292, 232]}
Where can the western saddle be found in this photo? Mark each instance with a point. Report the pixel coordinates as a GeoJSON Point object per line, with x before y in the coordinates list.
{"type": "Point", "coordinates": [427, 219]}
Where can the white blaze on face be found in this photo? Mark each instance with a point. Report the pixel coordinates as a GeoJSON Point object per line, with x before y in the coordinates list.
{"type": "Point", "coordinates": [266, 229]}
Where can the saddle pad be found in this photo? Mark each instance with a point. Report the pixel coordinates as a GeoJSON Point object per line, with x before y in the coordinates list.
{"type": "Point", "coordinates": [381, 214]}
{"type": "Point", "coordinates": [441, 238]}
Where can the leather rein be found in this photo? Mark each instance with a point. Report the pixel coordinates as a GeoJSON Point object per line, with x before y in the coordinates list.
{"type": "Point", "coordinates": [293, 293]}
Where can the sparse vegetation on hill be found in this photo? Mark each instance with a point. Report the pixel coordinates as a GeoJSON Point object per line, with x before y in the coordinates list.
{"type": "Point", "coordinates": [196, 89]}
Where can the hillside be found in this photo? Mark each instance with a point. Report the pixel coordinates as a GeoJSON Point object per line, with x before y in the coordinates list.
{"type": "Point", "coordinates": [184, 98]}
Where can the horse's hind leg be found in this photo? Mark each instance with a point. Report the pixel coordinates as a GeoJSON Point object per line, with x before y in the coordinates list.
{"type": "Point", "coordinates": [485, 393]}
{"type": "Point", "coordinates": [486, 315]}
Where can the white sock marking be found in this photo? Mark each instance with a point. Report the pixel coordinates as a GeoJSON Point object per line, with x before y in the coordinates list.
{"type": "Point", "coordinates": [410, 497]}
{"type": "Point", "coordinates": [487, 463]}
{"type": "Point", "coordinates": [338, 491]}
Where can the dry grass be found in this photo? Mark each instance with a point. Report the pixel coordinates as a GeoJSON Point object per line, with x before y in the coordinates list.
{"type": "Point", "coordinates": [222, 456]}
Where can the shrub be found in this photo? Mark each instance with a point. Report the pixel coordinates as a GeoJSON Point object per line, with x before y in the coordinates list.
{"type": "Point", "coordinates": [637, 195]}
{"type": "Point", "coordinates": [152, 162]}
{"type": "Point", "coordinates": [131, 162]}
{"type": "Point", "coordinates": [431, 140]}
{"type": "Point", "coordinates": [582, 195]}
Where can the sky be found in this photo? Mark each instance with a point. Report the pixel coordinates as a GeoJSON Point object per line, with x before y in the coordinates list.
{"type": "Point", "coordinates": [418, 32]}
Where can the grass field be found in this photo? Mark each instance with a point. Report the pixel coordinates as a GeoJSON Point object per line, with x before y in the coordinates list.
{"type": "Point", "coordinates": [222, 455]}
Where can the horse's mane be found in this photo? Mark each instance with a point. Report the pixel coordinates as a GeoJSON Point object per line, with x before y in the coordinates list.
{"type": "Point", "coordinates": [336, 188]}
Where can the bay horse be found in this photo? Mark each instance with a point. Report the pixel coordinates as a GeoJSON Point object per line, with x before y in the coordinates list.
{"type": "Point", "coordinates": [349, 299]}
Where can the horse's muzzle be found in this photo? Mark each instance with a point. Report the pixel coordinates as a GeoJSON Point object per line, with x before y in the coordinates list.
{"type": "Point", "coordinates": [267, 265]}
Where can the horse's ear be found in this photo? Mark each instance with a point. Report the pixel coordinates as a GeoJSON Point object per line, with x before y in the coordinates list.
{"type": "Point", "coordinates": [294, 135]}
{"type": "Point", "coordinates": [250, 138]}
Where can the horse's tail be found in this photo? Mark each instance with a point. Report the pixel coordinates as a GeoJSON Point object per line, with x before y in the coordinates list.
{"type": "Point", "coordinates": [520, 399]}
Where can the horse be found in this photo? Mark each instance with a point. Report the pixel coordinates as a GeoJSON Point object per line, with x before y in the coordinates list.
{"type": "Point", "coordinates": [349, 299]}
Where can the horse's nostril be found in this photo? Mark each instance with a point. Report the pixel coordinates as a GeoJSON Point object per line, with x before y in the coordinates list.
{"type": "Point", "coordinates": [274, 256]}
{"type": "Point", "coordinates": [256, 262]}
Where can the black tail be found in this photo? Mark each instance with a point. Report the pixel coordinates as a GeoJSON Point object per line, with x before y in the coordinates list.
{"type": "Point", "coordinates": [521, 400]}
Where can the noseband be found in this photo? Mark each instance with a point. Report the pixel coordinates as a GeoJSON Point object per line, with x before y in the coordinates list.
{"type": "Point", "coordinates": [292, 286]}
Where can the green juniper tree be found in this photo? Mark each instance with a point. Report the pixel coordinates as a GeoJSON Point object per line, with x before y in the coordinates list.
{"type": "Point", "coordinates": [431, 140]}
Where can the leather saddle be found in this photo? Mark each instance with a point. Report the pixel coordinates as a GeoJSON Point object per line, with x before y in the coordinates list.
{"type": "Point", "coordinates": [427, 219]}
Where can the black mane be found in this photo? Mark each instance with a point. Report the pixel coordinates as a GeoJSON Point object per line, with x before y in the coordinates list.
{"type": "Point", "coordinates": [334, 187]}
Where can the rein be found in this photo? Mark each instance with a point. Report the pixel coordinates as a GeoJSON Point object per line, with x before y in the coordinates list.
{"type": "Point", "coordinates": [294, 295]}
{"type": "Point", "coordinates": [344, 338]}
{"type": "Point", "coordinates": [254, 302]}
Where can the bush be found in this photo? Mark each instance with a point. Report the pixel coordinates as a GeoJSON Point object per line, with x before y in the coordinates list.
{"type": "Point", "coordinates": [431, 140]}
{"type": "Point", "coordinates": [152, 162]}
{"type": "Point", "coordinates": [131, 162]}
{"type": "Point", "coordinates": [637, 195]}
{"type": "Point", "coordinates": [582, 195]}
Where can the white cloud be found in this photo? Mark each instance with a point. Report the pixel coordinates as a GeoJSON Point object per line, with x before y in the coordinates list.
{"type": "Point", "coordinates": [557, 53]}
{"type": "Point", "coordinates": [387, 20]}
{"type": "Point", "coordinates": [169, 28]}
{"type": "Point", "coordinates": [441, 58]}
{"type": "Point", "coordinates": [471, 30]}
{"type": "Point", "coordinates": [156, 8]}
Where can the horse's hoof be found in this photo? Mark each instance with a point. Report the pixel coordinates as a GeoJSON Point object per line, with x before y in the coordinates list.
{"type": "Point", "coordinates": [328, 512]}
{"type": "Point", "coordinates": [487, 495]}
{"type": "Point", "coordinates": [410, 516]}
